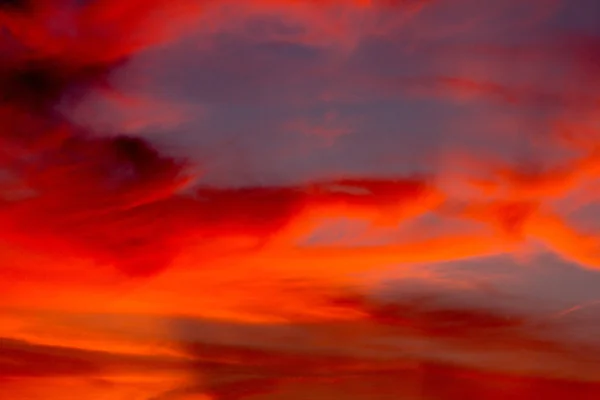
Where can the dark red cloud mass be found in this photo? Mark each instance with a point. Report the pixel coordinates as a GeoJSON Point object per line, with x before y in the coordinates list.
{"type": "Point", "coordinates": [292, 199]}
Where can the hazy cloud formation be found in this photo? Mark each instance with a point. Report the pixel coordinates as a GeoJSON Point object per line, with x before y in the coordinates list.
{"type": "Point", "coordinates": [291, 199]}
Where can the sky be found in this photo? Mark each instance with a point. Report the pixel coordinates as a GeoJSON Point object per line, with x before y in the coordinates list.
{"type": "Point", "coordinates": [299, 199]}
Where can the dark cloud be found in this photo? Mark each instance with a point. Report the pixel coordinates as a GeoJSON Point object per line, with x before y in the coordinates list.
{"type": "Point", "coordinates": [115, 199]}
{"type": "Point", "coordinates": [239, 372]}
{"type": "Point", "coordinates": [24, 359]}
{"type": "Point", "coordinates": [120, 200]}
{"type": "Point", "coordinates": [15, 5]}
{"type": "Point", "coordinates": [21, 359]}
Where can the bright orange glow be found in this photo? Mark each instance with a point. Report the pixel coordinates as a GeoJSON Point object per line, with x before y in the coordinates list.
{"type": "Point", "coordinates": [292, 199]}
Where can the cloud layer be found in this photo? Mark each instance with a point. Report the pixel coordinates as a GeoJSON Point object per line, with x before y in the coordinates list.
{"type": "Point", "coordinates": [292, 199]}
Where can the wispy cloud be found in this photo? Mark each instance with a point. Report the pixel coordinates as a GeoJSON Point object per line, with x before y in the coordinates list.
{"type": "Point", "coordinates": [291, 199]}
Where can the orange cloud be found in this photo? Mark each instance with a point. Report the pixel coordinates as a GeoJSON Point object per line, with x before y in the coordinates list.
{"type": "Point", "coordinates": [112, 226]}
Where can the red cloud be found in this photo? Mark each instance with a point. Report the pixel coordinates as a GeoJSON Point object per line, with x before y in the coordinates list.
{"type": "Point", "coordinates": [119, 200]}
